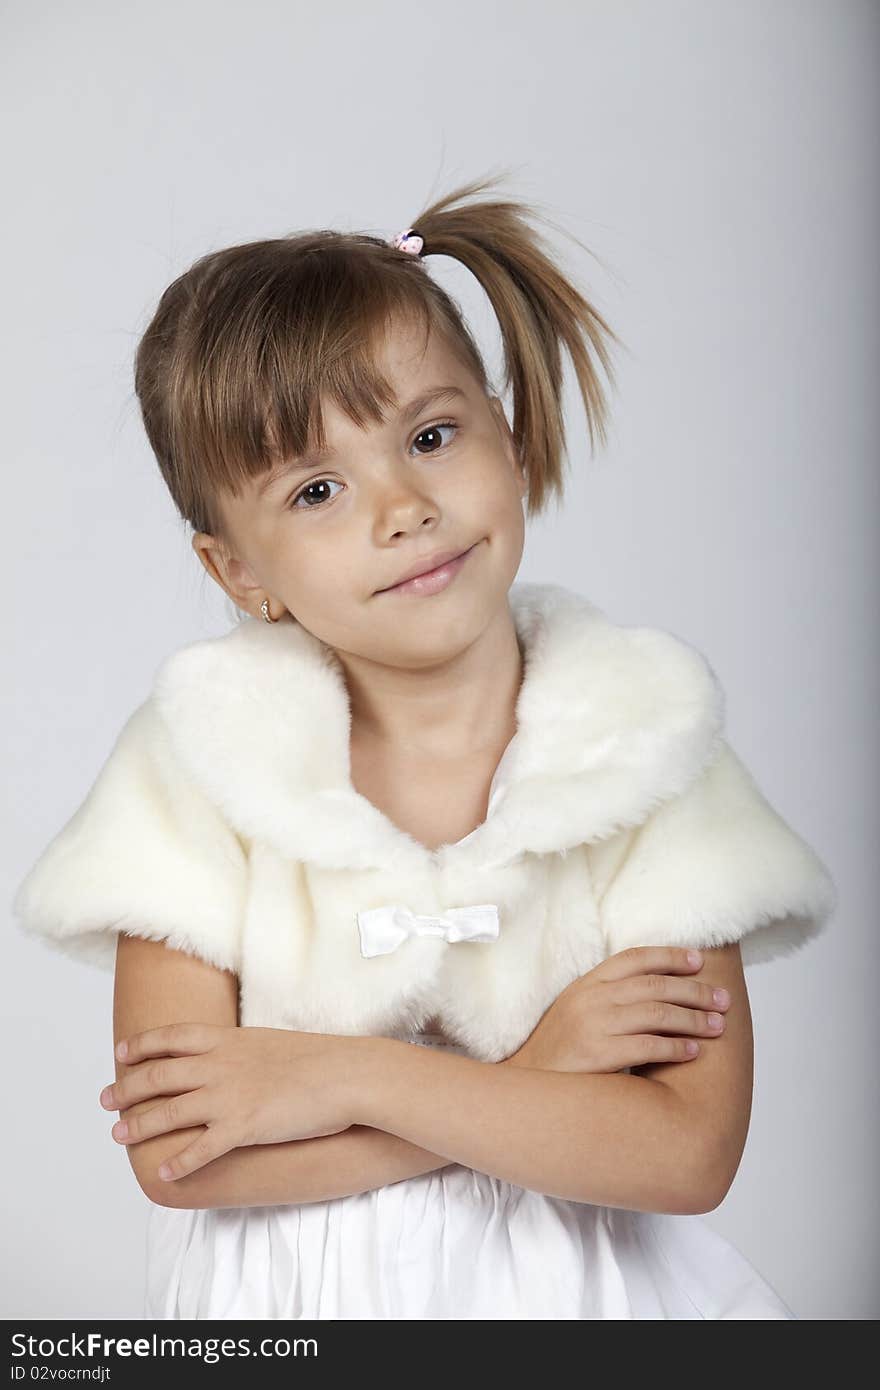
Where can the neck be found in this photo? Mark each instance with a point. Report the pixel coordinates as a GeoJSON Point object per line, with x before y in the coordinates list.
{"type": "Point", "coordinates": [465, 707]}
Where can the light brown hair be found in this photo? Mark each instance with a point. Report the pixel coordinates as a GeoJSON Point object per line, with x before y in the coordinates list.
{"type": "Point", "coordinates": [231, 369]}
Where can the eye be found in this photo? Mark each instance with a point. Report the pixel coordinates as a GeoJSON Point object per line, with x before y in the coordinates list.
{"type": "Point", "coordinates": [434, 429]}
{"type": "Point", "coordinates": [312, 502]}
{"type": "Point", "coordinates": [307, 492]}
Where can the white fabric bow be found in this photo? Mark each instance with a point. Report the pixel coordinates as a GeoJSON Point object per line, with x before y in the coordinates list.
{"type": "Point", "coordinates": [383, 929]}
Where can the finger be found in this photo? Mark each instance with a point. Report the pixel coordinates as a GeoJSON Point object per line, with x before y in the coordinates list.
{"type": "Point", "coordinates": [692, 993]}
{"type": "Point", "coordinates": [169, 1076]}
{"type": "Point", "coordinates": [656, 1016]}
{"type": "Point", "coordinates": [644, 960]}
{"type": "Point", "coordinates": [172, 1039]}
{"type": "Point", "coordinates": [210, 1145]}
{"type": "Point", "coordinates": [645, 1049]}
{"type": "Point", "coordinates": [180, 1112]}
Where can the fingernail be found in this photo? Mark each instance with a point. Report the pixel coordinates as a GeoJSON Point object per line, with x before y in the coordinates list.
{"type": "Point", "coordinates": [695, 957]}
{"type": "Point", "coordinates": [720, 996]}
{"type": "Point", "coordinates": [715, 1020]}
{"type": "Point", "coordinates": [121, 1050]}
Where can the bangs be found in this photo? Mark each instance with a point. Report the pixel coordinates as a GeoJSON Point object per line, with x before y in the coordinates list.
{"type": "Point", "coordinates": [249, 343]}
{"type": "Point", "coordinates": [260, 351]}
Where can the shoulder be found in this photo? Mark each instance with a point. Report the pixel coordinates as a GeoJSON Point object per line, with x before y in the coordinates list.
{"type": "Point", "coordinates": [714, 865]}
{"type": "Point", "coordinates": [612, 721]}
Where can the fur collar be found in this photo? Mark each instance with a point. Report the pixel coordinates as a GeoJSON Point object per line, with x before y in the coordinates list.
{"type": "Point", "coordinates": [611, 722]}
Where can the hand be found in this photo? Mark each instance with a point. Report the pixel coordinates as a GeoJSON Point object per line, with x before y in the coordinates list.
{"type": "Point", "coordinates": [631, 1010]}
{"type": "Point", "coordinates": [247, 1085]}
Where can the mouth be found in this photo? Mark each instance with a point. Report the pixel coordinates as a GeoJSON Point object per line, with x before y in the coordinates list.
{"type": "Point", "coordinates": [432, 581]}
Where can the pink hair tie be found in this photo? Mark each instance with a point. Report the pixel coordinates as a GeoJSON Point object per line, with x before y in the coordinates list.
{"type": "Point", "coordinates": [409, 241]}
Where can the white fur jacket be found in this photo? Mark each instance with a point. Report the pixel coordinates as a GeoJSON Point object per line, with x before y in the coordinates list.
{"type": "Point", "coordinates": [224, 822]}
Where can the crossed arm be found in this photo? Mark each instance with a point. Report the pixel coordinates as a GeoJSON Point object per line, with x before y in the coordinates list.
{"type": "Point", "coordinates": [663, 1138]}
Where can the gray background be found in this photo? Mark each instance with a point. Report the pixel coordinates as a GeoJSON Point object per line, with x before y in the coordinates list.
{"type": "Point", "coordinates": [719, 160]}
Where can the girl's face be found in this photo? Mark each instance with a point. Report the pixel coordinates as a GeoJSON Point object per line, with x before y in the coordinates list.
{"type": "Point", "coordinates": [321, 539]}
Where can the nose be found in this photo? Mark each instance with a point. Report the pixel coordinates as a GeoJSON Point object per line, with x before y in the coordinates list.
{"type": "Point", "coordinates": [401, 501]}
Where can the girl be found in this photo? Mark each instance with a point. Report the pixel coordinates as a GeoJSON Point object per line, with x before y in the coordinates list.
{"type": "Point", "coordinates": [407, 800]}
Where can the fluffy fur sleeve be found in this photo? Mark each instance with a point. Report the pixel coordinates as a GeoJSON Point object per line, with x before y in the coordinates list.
{"type": "Point", "coordinates": [145, 854]}
{"type": "Point", "coordinates": [714, 865]}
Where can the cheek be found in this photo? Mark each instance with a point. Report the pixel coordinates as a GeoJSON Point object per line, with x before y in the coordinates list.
{"type": "Point", "coordinates": [502, 522]}
{"type": "Point", "coordinates": [321, 577]}
{"type": "Point", "coordinates": [502, 504]}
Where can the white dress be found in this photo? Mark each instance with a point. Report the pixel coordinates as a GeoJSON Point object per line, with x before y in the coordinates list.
{"type": "Point", "coordinates": [449, 1244]}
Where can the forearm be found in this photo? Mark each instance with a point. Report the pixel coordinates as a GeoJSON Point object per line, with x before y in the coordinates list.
{"type": "Point", "coordinates": [617, 1140]}
{"type": "Point", "coordinates": [356, 1160]}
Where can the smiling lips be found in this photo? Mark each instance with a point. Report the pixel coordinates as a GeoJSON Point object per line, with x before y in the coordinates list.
{"type": "Point", "coordinates": [433, 580]}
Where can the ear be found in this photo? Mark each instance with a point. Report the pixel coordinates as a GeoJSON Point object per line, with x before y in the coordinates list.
{"type": "Point", "coordinates": [497, 408]}
{"type": "Point", "coordinates": [233, 575]}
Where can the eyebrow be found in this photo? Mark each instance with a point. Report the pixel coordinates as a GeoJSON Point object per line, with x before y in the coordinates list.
{"type": "Point", "coordinates": [407, 412]}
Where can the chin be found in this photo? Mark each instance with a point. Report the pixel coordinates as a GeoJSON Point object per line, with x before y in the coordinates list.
{"type": "Point", "coordinates": [442, 626]}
